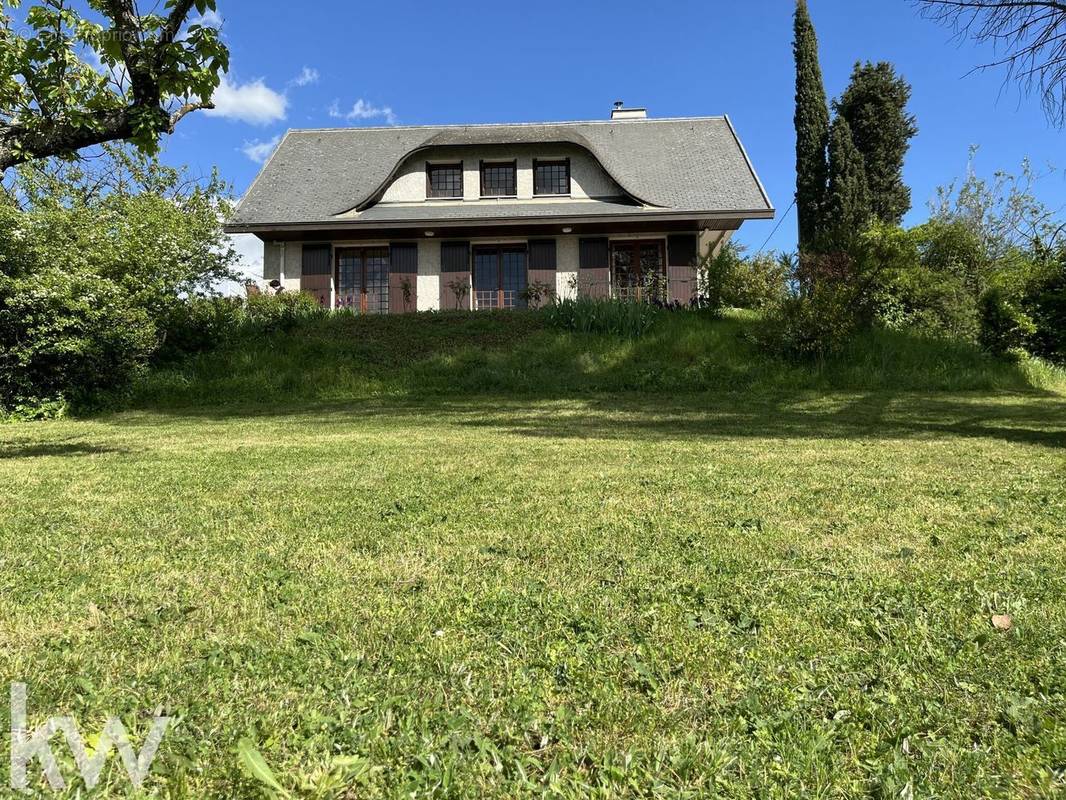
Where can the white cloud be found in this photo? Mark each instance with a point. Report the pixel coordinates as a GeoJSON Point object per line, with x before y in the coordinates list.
{"type": "Point", "coordinates": [363, 110]}
{"type": "Point", "coordinates": [307, 76]}
{"type": "Point", "coordinates": [260, 151]}
{"type": "Point", "coordinates": [249, 264]}
{"type": "Point", "coordinates": [210, 19]}
{"type": "Point", "coordinates": [253, 102]}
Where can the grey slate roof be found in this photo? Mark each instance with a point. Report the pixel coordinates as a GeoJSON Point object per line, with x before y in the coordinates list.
{"type": "Point", "coordinates": [690, 165]}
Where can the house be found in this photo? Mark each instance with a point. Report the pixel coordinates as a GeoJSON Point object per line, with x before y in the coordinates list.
{"type": "Point", "coordinates": [387, 220]}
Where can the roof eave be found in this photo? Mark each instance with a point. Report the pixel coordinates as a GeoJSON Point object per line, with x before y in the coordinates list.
{"type": "Point", "coordinates": [665, 216]}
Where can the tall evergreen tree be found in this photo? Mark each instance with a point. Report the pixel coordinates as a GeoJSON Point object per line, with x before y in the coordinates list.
{"type": "Point", "coordinates": [875, 107]}
{"type": "Point", "coordinates": [848, 205]}
{"type": "Point", "coordinates": [812, 130]}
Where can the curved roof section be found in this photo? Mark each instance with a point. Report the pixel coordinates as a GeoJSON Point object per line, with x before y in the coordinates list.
{"type": "Point", "coordinates": [682, 165]}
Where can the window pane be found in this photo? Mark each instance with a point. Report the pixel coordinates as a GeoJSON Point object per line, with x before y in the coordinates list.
{"type": "Point", "coordinates": [445, 180]}
{"type": "Point", "coordinates": [498, 180]}
{"type": "Point", "coordinates": [551, 177]}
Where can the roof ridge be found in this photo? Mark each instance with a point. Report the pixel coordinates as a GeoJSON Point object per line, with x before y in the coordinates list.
{"type": "Point", "coordinates": [653, 120]}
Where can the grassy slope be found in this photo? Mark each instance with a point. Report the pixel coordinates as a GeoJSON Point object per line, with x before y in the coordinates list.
{"type": "Point", "coordinates": [344, 358]}
{"type": "Point", "coordinates": [766, 591]}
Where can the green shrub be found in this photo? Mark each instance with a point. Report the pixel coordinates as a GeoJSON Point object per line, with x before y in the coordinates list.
{"type": "Point", "coordinates": [814, 325]}
{"type": "Point", "coordinates": [928, 302]}
{"type": "Point", "coordinates": [1045, 303]}
{"type": "Point", "coordinates": [68, 335]}
{"type": "Point", "coordinates": [199, 324]}
{"type": "Point", "coordinates": [1004, 325]}
{"type": "Point", "coordinates": [268, 312]}
{"type": "Point", "coordinates": [611, 317]}
{"type": "Point", "coordinates": [728, 279]}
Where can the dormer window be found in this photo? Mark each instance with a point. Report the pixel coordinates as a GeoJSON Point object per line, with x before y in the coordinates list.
{"type": "Point", "coordinates": [499, 178]}
{"type": "Point", "coordinates": [551, 177]}
{"type": "Point", "coordinates": [444, 180]}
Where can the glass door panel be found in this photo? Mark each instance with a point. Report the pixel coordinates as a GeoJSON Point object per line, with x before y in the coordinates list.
{"type": "Point", "coordinates": [499, 277]}
{"type": "Point", "coordinates": [376, 281]}
{"type": "Point", "coordinates": [349, 278]}
{"type": "Point", "coordinates": [637, 269]}
{"type": "Point", "coordinates": [363, 280]}
{"type": "Point", "coordinates": [512, 279]}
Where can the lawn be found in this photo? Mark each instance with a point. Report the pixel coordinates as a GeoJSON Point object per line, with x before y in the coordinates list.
{"type": "Point", "coordinates": [780, 591]}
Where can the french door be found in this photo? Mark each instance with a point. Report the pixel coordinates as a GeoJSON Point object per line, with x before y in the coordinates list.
{"type": "Point", "coordinates": [499, 277]}
{"type": "Point", "coordinates": [363, 279]}
{"type": "Point", "coordinates": [637, 269]}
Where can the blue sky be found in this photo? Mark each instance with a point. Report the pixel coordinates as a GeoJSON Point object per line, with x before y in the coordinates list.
{"type": "Point", "coordinates": [335, 62]}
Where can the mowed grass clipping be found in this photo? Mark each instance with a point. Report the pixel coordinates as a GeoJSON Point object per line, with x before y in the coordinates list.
{"type": "Point", "coordinates": [469, 594]}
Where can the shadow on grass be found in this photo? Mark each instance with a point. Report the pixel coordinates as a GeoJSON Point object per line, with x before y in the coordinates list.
{"type": "Point", "coordinates": [1031, 418]}
{"type": "Point", "coordinates": [63, 449]}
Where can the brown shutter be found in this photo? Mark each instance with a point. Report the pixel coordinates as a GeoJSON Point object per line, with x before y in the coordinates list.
{"type": "Point", "coordinates": [403, 278]}
{"type": "Point", "coordinates": [455, 256]}
{"type": "Point", "coordinates": [316, 272]}
{"type": "Point", "coordinates": [681, 270]}
{"type": "Point", "coordinates": [542, 267]}
{"type": "Point", "coordinates": [594, 275]}
{"type": "Point", "coordinates": [454, 267]}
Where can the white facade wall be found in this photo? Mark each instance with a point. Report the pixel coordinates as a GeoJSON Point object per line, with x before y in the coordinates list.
{"type": "Point", "coordinates": [271, 261]}
{"type": "Point", "coordinates": [292, 266]}
{"type": "Point", "coordinates": [282, 262]}
{"type": "Point", "coordinates": [428, 288]}
{"type": "Point", "coordinates": [566, 266]}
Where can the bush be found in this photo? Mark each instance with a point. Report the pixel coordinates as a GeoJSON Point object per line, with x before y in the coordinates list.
{"type": "Point", "coordinates": [68, 335]}
{"type": "Point", "coordinates": [282, 312]}
{"type": "Point", "coordinates": [810, 326]}
{"type": "Point", "coordinates": [918, 299]}
{"type": "Point", "coordinates": [1045, 303]}
{"type": "Point", "coordinates": [729, 279]}
{"type": "Point", "coordinates": [611, 317]}
{"type": "Point", "coordinates": [200, 324]}
{"type": "Point", "coordinates": [1004, 325]}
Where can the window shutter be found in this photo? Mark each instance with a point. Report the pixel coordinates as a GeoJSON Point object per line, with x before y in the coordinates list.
{"type": "Point", "coordinates": [404, 258]}
{"type": "Point", "coordinates": [542, 254]}
{"type": "Point", "coordinates": [681, 256]}
{"type": "Point", "coordinates": [455, 256]}
{"type": "Point", "coordinates": [681, 250]}
{"type": "Point", "coordinates": [594, 254]}
{"type": "Point", "coordinates": [316, 272]}
{"type": "Point", "coordinates": [316, 259]}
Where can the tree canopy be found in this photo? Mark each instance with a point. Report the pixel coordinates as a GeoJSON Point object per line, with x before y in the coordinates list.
{"type": "Point", "coordinates": [875, 108]}
{"type": "Point", "coordinates": [812, 129]}
{"type": "Point", "coordinates": [71, 78]}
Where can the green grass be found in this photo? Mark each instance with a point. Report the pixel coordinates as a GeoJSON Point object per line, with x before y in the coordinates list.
{"type": "Point", "coordinates": [770, 581]}
{"type": "Point", "coordinates": [344, 358]}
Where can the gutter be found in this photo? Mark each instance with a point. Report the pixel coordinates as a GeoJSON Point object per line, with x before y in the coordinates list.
{"type": "Point", "coordinates": [348, 224]}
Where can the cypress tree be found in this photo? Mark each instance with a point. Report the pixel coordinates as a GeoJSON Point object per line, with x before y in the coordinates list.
{"type": "Point", "coordinates": [875, 107]}
{"type": "Point", "coordinates": [812, 130]}
{"type": "Point", "coordinates": [848, 205]}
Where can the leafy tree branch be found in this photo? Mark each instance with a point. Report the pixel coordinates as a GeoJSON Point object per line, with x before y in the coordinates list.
{"type": "Point", "coordinates": [152, 71]}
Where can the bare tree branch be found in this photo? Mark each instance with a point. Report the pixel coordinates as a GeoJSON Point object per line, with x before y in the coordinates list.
{"type": "Point", "coordinates": [1028, 36]}
{"type": "Point", "coordinates": [188, 108]}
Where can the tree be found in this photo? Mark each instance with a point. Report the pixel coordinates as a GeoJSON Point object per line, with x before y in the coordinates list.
{"type": "Point", "coordinates": [96, 257]}
{"type": "Point", "coordinates": [875, 108]}
{"type": "Point", "coordinates": [147, 227]}
{"type": "Point", "coordinates": [812, 130]}
{"type": "Point", "coordinates": [153, 70]}
{"type": "Point", "coordinates": [1030, 35]}
{"type": "Point", "coordinates": [848, 209]}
